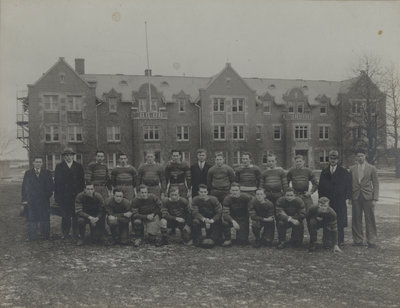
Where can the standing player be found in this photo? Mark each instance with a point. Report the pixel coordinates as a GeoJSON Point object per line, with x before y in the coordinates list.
{"type": "Point", "coordinates": [177, 173]}
{"type": "Point", "coordinates": [236, 214]}
{"type": "Point", "coordinates": [273, 180]}
{"type": "Point", "coordinates": [98, 175]}
{"type": "Point", "coordinates": [151, 174]}
{"type": "Point", "coordinates": [199, 171]}
{"type": "Point", "coordinates": [248, 176]}
{"type": "Point", "coordinates": [219, 178]}
{"type": "Point", "coordinates": [261, 212]}
{"type": "Point", "coordinates": [123, 177]}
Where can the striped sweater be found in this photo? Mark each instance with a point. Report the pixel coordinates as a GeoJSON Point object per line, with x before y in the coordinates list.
{"type": "Point", "coordinates": [171, 209]}
{"type": "Point", "coordinates": [117, 209]}
{"type": "Point", "coordinates": [259, 210]}
{"type": "Point", "coordinates": [274, 180]}
{"type": "Point", "coordinates": [143, 207]}
{"type": "Point", "coordinates": [208, 207]}
{"type": "Point", "coordinates": [177, 173]}
{"type": "Point", "coordinates": [151, 175]}
{"type": "Point", "coordinates": [97, 174]}
{"type": "Point", "coordinates": [124, 176]}
{"type": "Point", "coordinates": [236, 207]}
{"type": "Point", "coordinates": [248, 177]}
{"type": "Point", "coordinates": [300, 178]}
{"type": "Point", "coordinates": [220, 178]}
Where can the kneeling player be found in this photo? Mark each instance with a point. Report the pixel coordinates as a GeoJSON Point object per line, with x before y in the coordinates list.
{"type": "Point", "coordinates": [236, 214]}
{"type": "Point", "coordinates": [119, 214]}
{"type": "Point", "coordinates": [290, 212]}
{"type": "Point", "coordinates": [146, 209]}
{"type": "Point", "coordinates": [261, 212]}
{"type": "Point", "coordinates": [207, 223]}
{"type": "Point", "coordinates": [323, 216]}
{"type": "Point", "coordinates": [175, 214]}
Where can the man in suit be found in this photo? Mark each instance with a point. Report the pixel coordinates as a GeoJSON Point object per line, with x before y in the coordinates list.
{"type": "Point", "coordinates": [69, 182]}
{"type": "Point", "coordinates": [37, 188]}
{"type": "Point", "coordinates": [335, 184]}
{"type": "Point", "coordinates": [365, 194]}
{"type": "Point", "coordinates": [199, 171]}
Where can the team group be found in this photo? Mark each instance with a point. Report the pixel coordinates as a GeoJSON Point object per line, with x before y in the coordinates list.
{"type": "Point", "coordinates": [203, 204]}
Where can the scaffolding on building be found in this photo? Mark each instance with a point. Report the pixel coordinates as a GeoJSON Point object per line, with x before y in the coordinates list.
{"type": "Point", "coordinates": [23, 118]}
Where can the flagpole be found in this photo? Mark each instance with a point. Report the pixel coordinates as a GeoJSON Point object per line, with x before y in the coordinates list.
{"type": "Point", "coordinates": [148, 65]}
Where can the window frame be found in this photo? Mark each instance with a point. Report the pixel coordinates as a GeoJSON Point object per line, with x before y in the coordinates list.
{"type": "Point", "coordinates": [304, 130]}
{"type": "Point", "coordinates": [324, 129]}
{"type": "Point", "coordinates": [75, 103]}
{"type": "Point", "coordinates": [181, 105]}
{"type": "Point", "coordinates": [274, 126]}
{"type": "Point", "coordinates": [220, 131]}
{"type": "Point", "coordinates": [238, 105]}
{"type": "Point", "coordinates": [239, 130]}
{"type": "Point", "coordinates": [75, 133]}
{"type": "Point", "coordinates": [54, 105]}
{"type": "Point", "coordinates": [151, 129]}
{"type": "Point", "coordinates": [113, 132]}
{"type": "Point", "coordinates": [180, 133]}
{"type": "Point", "coordinates": [219, 102]}
{"type": "Point", "coordinates": [54, 130]}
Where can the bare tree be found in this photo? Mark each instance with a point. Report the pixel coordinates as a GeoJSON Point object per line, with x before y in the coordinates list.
{"type": "Point", "coordinates": [364, 117]}
{"type": "Point", "coordinates": [7, 144]}
{"type": "Point", "coordinates": [391, 87]}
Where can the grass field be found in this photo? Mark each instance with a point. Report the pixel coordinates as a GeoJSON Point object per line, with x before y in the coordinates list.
{"type": "Point", "coordinates": [59, 274]}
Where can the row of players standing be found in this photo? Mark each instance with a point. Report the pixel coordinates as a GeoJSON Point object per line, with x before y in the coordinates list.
{"type": "Point", "coordinates": [335, 184]}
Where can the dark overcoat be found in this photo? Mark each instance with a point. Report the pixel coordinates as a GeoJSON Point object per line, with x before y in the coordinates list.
{"type": "Point", "coordinates": [198, 176]}
{"type": "Point", "coordinates": [337, 188]}
{"type": "Point", "coordinates": [36, 191]}
{"type": "Point", "coordinates": [68, 183]}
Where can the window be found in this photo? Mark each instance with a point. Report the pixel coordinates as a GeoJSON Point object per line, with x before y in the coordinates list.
{"type": "Point", "coordinates": [182, 133]}
{"type": "Point", "coordinates": [52, 160]}
{"type": "Point", "coordinates": [75, 134]}
{"type": "Point", "coordinates": [258, 132]}
{"type": "Point", "coordinates": [356, 107]}
{"type": "Point", "coordinates": [78, 158]}
{"type": "Point", "coordinates": [323, 109]}
{"type": "Point", "coordinates": [62, 78]}
{"type": "Point", "coordinates": [74, 103]}
{"type": "Point", "coordinates": [51, 103]}
{"type": "Point", "coordinates": [323, 156]}
{"type": "Point", "coordinates": [237, 104]}
{"type": "Point", "coordinates": [153, 105]}
{"type": "Point", "coordinates": [51, 134]}
{"type": "Point", "coordinates": [236, 157]}
{"type": "Point", "coordinates": [238, 132]}
{"type": "Point", "coordinates": [301, 132]}
{"type": "Point", "coordinates": [291, 107]}
{"type": "Point", "coordinates": [219, 104]}
{"type": "Point", "coordinates": [151, 132]}
{"type": "Point", "coordinates": [267, 107]}
{"type": "Point", "coordinates": [186, 157]}
{"type": "Point", "coordinates": [300, 107]}
{"type": "Point", "coordinates": [113, 134]}
{"type": "Point", "coordinates": [111, 160]}
{"type": "Point", "coordinates": [356, 132]}
{"type": "Point", "coordinates": [112, 104]}
{"type": "Point", "coordinates": [181, 105]}
{"type": "Point", "coordinates": [142, 105]}
{"type": "Point", "coordinates": [219, 132]}
{"type": "Point", "coordinates": [277, 132]}
{"type": "Point", "coordinates": [323, 132]}
{"type": "Point", "coordinates": [265, 157]}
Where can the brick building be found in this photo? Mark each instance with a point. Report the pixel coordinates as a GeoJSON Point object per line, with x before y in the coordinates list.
{"type": "Point", "coordinates": [226, 112]}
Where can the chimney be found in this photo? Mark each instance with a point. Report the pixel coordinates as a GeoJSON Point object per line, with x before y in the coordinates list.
{"type": "Point", "coordinates": [147, 72]}
{"type": "Point", "coordinates": [80, 66]}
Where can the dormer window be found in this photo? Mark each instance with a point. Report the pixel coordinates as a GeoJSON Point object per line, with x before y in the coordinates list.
{"type": "Point", "coordinates": [323, 109]}
{"type": "Point", "coordinates": [267, 107]}
{"type": "Point", "coordinates": [290, 107]}
{"type": "Point", "coordinates": [153, 105]}
{"type": "Point", "coordinates": [181, 105]}
{"type": "Point", "coordinates": [112, 104]}
{"type": "Point", "coordinates": [300, 107]}
{"type": "Point", "coordinates": [142, 105]}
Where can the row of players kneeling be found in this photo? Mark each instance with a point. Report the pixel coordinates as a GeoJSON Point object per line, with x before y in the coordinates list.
{"type": "Point", "coordinates": [206, 222]}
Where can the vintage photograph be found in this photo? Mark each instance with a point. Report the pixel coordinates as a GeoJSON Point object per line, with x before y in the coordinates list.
{"type": "Point", "coordinates": [199, 153]}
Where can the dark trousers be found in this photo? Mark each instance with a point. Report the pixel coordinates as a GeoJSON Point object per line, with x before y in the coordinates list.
{"type": "Point", "coordinates": [242, 234]}
{"type": "Point", "coordinates": [120, 229]}
{"type": "Point", "coordinates": [214, 232]}
{"type": "Point", "coordinates": [96, 231]}
{"type": "Point", "coordinates": [268, 230]}
{"type": "Point", "coordinates": [297, 232]}
{"type": "Point", "coordinates": [44, 229]}
{"type": "Point", "coordinates": [219, 194]}
{"type": "Point", "coordinates": [66, 223]}
{"type": "Point", "coordinates": [329, 236]}
{"type": "Point", "coordinates": [173, 224]}
{"type": "Point", "coordinates": [358, 207]}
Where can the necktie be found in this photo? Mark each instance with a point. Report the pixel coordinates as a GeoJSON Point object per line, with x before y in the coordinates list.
{"type": "Point", "coordinates": [360, 172]}
{"type": "Point", "coordinates": [37, 172]}
{"type": "Point", "coordinates": [332, 169]}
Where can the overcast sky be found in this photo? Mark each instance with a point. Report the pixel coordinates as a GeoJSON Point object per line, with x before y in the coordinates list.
{"type": "Point", "coordinates": [285, 39]}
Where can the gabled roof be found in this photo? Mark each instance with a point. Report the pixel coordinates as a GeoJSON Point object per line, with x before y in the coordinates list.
{"type": "Point", "coordinates": [61, 60]}
{"type": "Point", "coordinates": [127, 84]}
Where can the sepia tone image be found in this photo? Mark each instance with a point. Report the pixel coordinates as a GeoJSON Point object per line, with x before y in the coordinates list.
{"type": "Point", "coordinates": [186, 154]}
